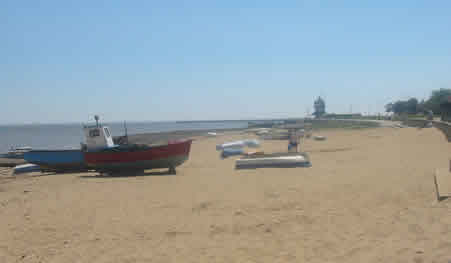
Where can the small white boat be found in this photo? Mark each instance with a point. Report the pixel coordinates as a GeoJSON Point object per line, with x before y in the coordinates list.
{"type": "Point", "coordinates": [239, 144]}
{"type": "Point", "coordinates": [26, 168]}
{"type": "Point", "coordinates": [21, 149]}
{"type": "Point", "coordinates": [227, 152]}
{"type": "Point", "coordinates": [16, 152]}
{"type": "Point", "coordinates": [274, 160]}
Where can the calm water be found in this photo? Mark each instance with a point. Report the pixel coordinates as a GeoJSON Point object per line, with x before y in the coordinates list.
{"type": "Point", "coordinates": [51, 136]}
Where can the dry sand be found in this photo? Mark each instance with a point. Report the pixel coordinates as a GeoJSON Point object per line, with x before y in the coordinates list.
{"type": "Point", "coordinates": [369, 197]}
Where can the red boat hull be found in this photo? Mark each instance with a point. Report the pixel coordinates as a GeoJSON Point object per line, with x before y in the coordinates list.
{"type": "Point", "coordinates": [151, 157]}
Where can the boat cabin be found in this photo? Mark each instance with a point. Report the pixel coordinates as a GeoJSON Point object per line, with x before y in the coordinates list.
{"type": "Point", "coordinates": [98, 137]}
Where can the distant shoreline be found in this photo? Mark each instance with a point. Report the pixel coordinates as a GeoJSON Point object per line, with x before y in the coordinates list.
{"type": "Point", "coordinates": [147, 138]}
{"type": "Point", "coordinates": [250, 120]}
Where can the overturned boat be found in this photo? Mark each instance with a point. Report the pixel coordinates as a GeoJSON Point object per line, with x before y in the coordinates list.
{"type": "Point", "coordinates": [26, 168]}
{"type": "Point", "coordinates": [273, 160]}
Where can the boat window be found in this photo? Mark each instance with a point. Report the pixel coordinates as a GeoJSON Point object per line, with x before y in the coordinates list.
{"type": "Point", "coordinates": [107, 132]}
{"type": "Point", "coordinates": [94, 133]}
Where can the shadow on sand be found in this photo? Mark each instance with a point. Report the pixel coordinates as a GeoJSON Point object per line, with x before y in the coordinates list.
{"type": "Point", "coordinates": [128, 174]}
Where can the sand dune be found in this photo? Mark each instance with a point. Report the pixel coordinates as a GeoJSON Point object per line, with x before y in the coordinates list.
{"type": "Point", "coordinates": [368, 197]}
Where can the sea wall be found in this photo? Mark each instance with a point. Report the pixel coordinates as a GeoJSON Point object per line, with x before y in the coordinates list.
{"type": "Point", "coordinates": [419, 123]}
{"type": "Point", "coordinates": [341, 124]}
{"type": "Point", "coordinates": [444, 127]}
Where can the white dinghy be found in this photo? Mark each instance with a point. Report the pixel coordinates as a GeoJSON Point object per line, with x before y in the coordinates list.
{"type": "Point", "coordinates": [274, 160]}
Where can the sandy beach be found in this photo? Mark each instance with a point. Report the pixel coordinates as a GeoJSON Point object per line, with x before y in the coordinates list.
{"type": "Point", "coordinates": [368, 197]}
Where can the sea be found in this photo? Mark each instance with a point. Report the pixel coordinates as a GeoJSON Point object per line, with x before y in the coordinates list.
{"type": "Point", "coordinates": [69, 136]}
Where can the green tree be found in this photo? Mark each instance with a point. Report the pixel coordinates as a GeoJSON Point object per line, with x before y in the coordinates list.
{"type": "Point", "coordinates": [411, 106]}
{"type": "Point", "coordinates": [389, 107]}
{"type": "Point", "coordinates": [437, 98]}
{"type": "Point", "coordinates": [421, 107]}
{"type": "Point", "coordinates": [403, 106]}
{"type": "Point", "coordinates": [400, 107]}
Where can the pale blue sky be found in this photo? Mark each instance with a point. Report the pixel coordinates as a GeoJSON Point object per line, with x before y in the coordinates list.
{"type": "Point", "coordinates": [200, 60]}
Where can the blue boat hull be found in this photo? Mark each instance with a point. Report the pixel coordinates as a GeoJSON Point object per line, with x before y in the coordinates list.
{"type": "Point", "coordinates": [57, 160]}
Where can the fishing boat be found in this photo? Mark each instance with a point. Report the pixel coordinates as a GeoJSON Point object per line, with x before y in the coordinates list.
{"type": "Point", "coordinates": [102, 155]}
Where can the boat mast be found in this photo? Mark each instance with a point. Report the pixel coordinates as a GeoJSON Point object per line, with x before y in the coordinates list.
{"type": "Point", "coordinates": [126, 134]}
{"type": "Point", "coordinates": [96, 117]}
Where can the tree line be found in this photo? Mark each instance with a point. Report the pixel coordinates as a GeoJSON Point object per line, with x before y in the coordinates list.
{"type": "Point", "coordinates": [438, 103]}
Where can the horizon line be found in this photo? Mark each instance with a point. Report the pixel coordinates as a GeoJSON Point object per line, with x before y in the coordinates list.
{"type": "Point", "coordinates": [142, 121]}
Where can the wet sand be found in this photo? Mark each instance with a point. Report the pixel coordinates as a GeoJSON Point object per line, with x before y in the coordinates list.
{"type": "Point", "coordinates": [368, 197]}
